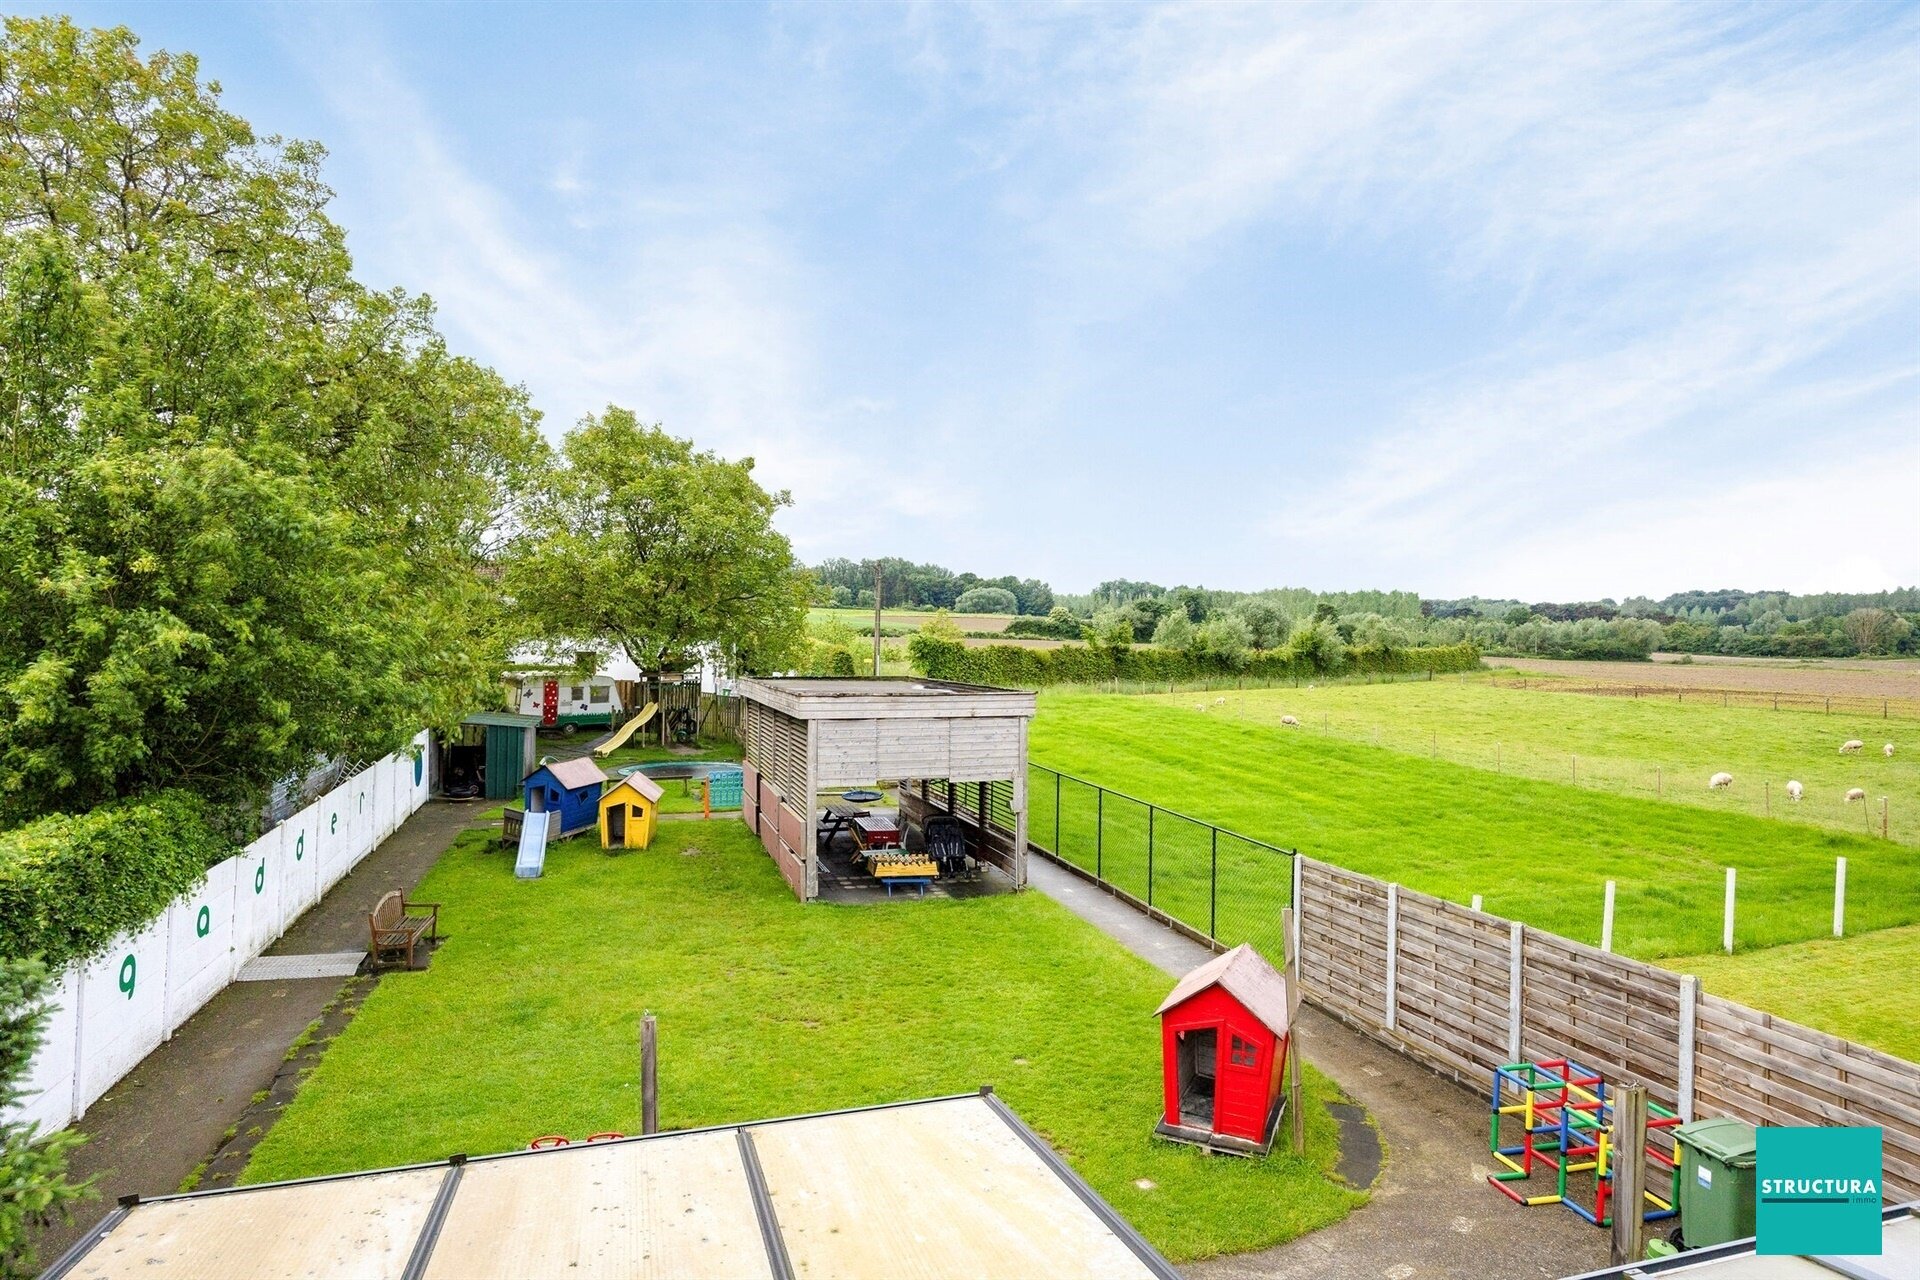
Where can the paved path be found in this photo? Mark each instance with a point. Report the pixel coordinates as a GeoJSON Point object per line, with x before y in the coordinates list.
{"type": "Point", "coordinates": [1432, 1214]}
{"type": "Point", "coordinates": [158, 1124]}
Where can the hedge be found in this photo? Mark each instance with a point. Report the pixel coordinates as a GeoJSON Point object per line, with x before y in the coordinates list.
{"type": "Point", "coordinates": [1018, 667]}
{"type": "Point", "coordinates": [71, 883]}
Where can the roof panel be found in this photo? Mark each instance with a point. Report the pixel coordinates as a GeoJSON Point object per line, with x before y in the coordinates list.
{"type": "Point", "coordinates": [671, 1210]}
{"type": "Point", "coordinates": [341, 1227]}
{"type": "Point", "coordinates": [1245, 975]}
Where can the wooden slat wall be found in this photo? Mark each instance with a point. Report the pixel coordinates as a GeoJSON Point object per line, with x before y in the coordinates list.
{"type": "Point", "coordinates": [778, 828]}
{"type": "Point", "coordinates": [777, 746]}
{"type": "Point", "coordinates": [992, 843]}
{"type": "Point", "coordinates": [1770, 1071]}
{"type": "Point", "coordinates": [1618, 1016]}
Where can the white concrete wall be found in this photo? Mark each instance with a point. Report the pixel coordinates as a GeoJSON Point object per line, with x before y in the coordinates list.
{"type": "Point", "coordinates": [112, 1010]}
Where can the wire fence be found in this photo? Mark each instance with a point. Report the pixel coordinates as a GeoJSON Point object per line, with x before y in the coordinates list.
{"type": "Point", "coordinates": [1216, 882]}
{"type": "Point", "coordinates": [1846, 704]}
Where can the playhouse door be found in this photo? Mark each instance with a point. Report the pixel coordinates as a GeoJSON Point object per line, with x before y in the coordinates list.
{"type": "Point", "coordinates": [1199, 1066]}
{"type": "Point", "coordinates": [617, 825]}
{"type": "Point", "coordinates": [550, 703]}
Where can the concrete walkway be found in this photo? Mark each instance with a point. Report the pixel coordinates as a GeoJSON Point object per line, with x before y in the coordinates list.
{"type": "Point", "coordinates": [1432, 1214]}
{"type": "Point", "coordinates": [171, 1111]}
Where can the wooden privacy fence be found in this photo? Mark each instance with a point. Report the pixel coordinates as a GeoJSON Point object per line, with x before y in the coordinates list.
{"type": "Point", "coordinates": [1466, 992]}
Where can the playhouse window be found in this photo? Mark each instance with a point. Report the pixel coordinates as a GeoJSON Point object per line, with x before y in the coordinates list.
{"type": "Point", "coordinates": [1243, 1053]}
{"type": "Point", "coordinates": [601, 694]}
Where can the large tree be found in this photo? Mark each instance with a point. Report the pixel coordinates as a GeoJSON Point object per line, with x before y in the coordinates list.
{"type": "Point", "coordinates": [35, 1191]}
{"type": "Point", "coordinates": [638, 540]}
{"type": "Point", "coordinates": [247, 504]}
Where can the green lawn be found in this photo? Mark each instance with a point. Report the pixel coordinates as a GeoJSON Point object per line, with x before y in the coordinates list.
{"type": "Point", "coordinates": [1647, 747]}
{"type": "Point", "coordinates": [1863, 983]}
{"type": "Point", "coordinates": [1539, 851]}
{"type": "Point", "coordinates": [911, 619]}
{"type": "Point", "coordinates": [526, 1024]}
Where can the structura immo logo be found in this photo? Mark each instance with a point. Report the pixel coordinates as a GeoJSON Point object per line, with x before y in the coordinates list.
{"type": "Point", "coordinates": [1819, 1191]}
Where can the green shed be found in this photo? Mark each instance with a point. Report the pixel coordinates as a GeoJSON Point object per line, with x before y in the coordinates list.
{"type": "Point", "coordinates": [508, 744]}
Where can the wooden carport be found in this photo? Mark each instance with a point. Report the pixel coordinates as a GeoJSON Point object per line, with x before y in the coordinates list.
{"type": "Point", "coordinates": [956, 748]}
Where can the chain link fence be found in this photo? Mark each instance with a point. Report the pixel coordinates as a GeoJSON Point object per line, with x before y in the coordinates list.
{"type": "Point", "coordinates": [1216, 882]}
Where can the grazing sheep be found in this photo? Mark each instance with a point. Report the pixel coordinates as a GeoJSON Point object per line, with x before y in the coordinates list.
{"type": "Point", "coordinates": [1887, 751]}
{"type": "Point", "coordinates": [1720, 782]}
{"type": "Point", "coordinates": [1857, 793]}
{"type": "Point", "coordinates": [1221, 702]}
{"type": "Point", "coordinates": [1850, 746]}
{"type": "Point", "coordinates": [1292, 722]}
{"type": "Point", "coordinates": [1794, 790]}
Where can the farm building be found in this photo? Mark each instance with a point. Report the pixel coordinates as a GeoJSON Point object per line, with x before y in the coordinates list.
{"type": "Point", "coordinates": [816, 1195]}
{"type": "Point", "coordinates": [956, 749]}
{"type": "Point", "coordinates": [628, 811]}
{"type": "Point", "coordinates": [1224, 1044]}
{"type": "Point", "coordinates": [569, 788]}
{"type": "Point", "coordinates": [489, 755]}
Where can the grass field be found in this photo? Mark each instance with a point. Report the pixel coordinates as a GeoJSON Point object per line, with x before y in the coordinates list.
{"type": "Point", "coordinates": [1539, 851]}
{"type": "Point", "coordinates": [1640, 747]}
{"type": "Point", "coordinates": [912, 619]}
{"type": "Point", "coordinates": [526, 1021]}
{"type": "Point", "coordinates": [1862, 983]}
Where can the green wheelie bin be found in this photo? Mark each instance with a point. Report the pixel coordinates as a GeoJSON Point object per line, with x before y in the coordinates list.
{"type": "Point", "coordinates": [1716, 1181]}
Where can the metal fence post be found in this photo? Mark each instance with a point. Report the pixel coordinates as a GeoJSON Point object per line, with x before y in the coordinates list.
{"type": "Point", "coordinates": [1213, 888]}
{"type": "Point", "coordinates": [1099, 832]}
{"type": "Point", "coordinates": [1056, 814]}
{"type": "Point", "coordinates": [1149, 855]}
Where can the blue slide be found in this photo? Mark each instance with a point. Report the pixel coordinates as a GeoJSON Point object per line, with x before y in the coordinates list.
{"type": "Point", "coordinates": [533, 845]}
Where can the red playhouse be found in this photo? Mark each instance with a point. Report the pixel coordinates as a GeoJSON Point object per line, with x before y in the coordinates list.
{"type": "Point", "coordinates": [1223, 1034]}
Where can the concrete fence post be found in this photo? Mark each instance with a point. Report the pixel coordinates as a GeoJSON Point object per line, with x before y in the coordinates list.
{"type": "Point", "coordinates": [1726, 921]}
{"type": "Point", "coordinates": [1689, 1026]}
{"type": "Point", "coordinates": [1515, 945]}
{"type": "Point", "coordinates": [1606, 921]}
{"type": "Point", "coordinates": [1393, 956]}
{"type": "Point", "coordinates": [1839, 897]}
{"type": "Point", "coordinates": [1299, 871]}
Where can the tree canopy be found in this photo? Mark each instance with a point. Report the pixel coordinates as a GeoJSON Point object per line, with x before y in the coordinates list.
{"type": "Point", "coordinates": [247, 504]}
{"type": "Point", "coordinates": [637, 539]}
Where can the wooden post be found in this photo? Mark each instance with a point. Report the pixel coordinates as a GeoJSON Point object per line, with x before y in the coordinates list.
{"type": "Point", "coordinates": [1629, 1173]}
{"type": "Point", "coordinates": [1515, 945]}
{"type": "Point", "coordinates": [1606, 921]}
{"type": "Point", "coordinates": [1393, 956]}
{"type": "Point", "coordinates": [649, 1074]}
{"type": "Point", "coordinates": [1726, 921]}
{"type": "Point", "coordinates": [1839, 897]}
{"type": "Point", "coordinates": [878, 581]}
{"type": "Point", "coordinates": [1883, 817]}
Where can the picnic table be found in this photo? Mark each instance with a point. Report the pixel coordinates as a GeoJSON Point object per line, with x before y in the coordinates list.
{"type": "Point", "coordinates": [840, 817]}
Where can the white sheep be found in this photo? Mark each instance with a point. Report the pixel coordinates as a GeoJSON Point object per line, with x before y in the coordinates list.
{"type": "Point", "coordinates": [1720, 782]}
{"type": "Point", "coordinates": [1219, 702]}
{"type": "Point", "coordinates": [1794, 790]}
{"type": "Point", "coordinates": [1887, 751]}
{"type": "Point", "coordinates": [1292, 722]}
{"type": "Point", "coordinates": [1856, 793]}
{"type": "Point", "coordinates": [1850, 746]}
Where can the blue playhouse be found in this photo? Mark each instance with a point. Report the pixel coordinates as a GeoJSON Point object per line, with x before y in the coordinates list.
{"type": "Point", "coordinates": [569, 789]}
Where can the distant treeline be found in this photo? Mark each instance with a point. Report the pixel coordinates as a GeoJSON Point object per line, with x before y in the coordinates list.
{"type": "Point", "coordinates": [905, 585]}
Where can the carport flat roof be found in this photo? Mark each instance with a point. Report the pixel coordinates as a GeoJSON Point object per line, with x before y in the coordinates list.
{"type": "Point", "coordinates": [887, 698]}
{"type": "Point", "coordinates": [815, 1195]}
{"type": "Point", "coordinates": [1898, 1259]}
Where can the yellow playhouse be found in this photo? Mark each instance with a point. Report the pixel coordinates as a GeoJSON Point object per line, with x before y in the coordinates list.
{"type": "Point", "coordinates": [628, 810]}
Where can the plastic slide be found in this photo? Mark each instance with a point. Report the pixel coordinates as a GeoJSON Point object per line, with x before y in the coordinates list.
{"type": "Point", "coordinates": [614, 743]}
{"type": "Point", "coordinates": [532, 858]}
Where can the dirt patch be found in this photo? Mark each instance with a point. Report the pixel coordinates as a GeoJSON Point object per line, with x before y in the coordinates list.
{"type": "Point", "coordinates": [1838, 678]}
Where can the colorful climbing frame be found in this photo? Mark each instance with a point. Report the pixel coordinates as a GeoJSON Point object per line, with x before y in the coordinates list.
{"type": "Point", "coordinates": [1565, 1120]}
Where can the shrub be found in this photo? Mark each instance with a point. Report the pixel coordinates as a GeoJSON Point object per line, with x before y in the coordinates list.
{"type": "Point", "coordinates": [71, 883]}
{"type": "Point", "coordinates": [34, 1191]}
{"type": "Point", "coordinates": [986, 600]}
{"type": "Point", "coordinates": [1017, 667]}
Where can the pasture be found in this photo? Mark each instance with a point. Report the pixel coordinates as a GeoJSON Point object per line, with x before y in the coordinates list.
{"type": "Point", "coordinates": [526, 1022]}
{"type": "Point", "coordinates": [1538, 851]}
{"type": "Point", "coordinates": [907, 619]}
{"type": "Point", "coordinates": [1653, 748]}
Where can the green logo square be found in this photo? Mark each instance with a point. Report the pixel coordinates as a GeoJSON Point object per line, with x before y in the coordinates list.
{"type": "Point", "coordinates": [1819, 1191]}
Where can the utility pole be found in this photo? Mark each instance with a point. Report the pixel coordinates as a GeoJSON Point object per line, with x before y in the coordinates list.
{"type": "Point", "coordinates": [877, 584]}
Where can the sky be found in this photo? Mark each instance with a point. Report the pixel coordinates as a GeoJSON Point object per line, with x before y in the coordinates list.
{"type": "Point", "coordinates": [1546, 302]}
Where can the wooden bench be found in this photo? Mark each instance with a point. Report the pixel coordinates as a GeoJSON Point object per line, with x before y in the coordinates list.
{"type": "Point", "coordinates": [392, 926]}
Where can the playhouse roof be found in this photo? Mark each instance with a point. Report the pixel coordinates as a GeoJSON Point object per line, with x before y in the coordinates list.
{"type": "Point", "coordinates": [639, 782]}
{"type": "Point", "coordinates": [574, 774]}
{"type": "Point", "coordinates": [1244, 974]}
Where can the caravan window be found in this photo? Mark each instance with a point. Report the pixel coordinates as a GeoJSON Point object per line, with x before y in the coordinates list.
{"type": "Point", "coordinates": [577, 694]}
{"type": "Point", "coordinates": [601, 694]}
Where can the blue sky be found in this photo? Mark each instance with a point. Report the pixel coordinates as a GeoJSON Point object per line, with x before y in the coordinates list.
{"type": "Point", "coordinates": [1549, 302]}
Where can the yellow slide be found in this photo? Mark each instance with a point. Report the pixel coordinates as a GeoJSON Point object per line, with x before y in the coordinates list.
{"type": "Point", "coordinates": [613, 744]}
